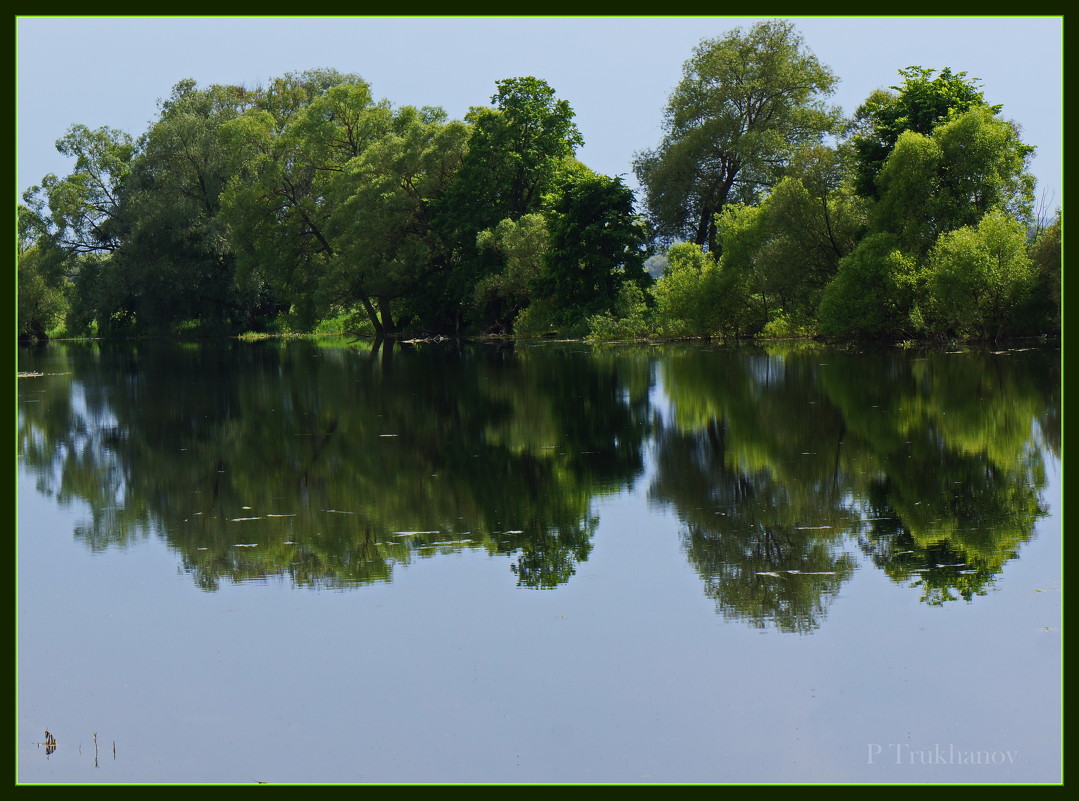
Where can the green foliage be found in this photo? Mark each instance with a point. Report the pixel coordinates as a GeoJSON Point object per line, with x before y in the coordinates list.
{"type": "Point", "coordinates": [933, 184]}
{"type": "Point", "coordinates": [537, 319]}
{"type": "Point", "coordinates": [947, 164]}
{"type": "Point", "coordinates": [1044, 310]}
{"type": "Point", "coordinates": [778, 256]}
{"type": "Point", "coordinates": [41, 304]}
{"type": "Point", "coordinates": [275, 208]}
{"type": "Point", "coordinates": [522, 246]}
{"type": "Point", "coordinates": [978, 278]}
{"type": "Point", "coordinates": [923, 102]}
{"type": "Point", "coordinates": [784, 326]}
{"type": "Point", "coordinates": [873, 293]}
{"type": "Point", "coordinates": [692, 297]}
{"type": "Point", "coordinates": [293, 147]}
{"type": "Point", "coordinates": [516, 153]}
{"type": "Point", "coordinates": [523, 146]}
{"type": "Point", "coordinates": [631, 317]}
{"type": "Point", "coordinates": [82, 207]}
{"type": "Point", "coordinates": [745, 104]}
{"type": "Point", "coordinates": [385, 242]}
{"type": "Point", "coordinates": [596, 246]}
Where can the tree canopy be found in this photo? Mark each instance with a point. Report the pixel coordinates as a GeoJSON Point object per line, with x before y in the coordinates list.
{"type": "Point", "coordinates": [310, 202]}
{"type": "Point", "coordinates": [745, 104]}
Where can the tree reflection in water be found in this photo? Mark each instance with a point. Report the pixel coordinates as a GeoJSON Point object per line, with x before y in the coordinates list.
{"type": "Point", "coordinates": [327, 464]}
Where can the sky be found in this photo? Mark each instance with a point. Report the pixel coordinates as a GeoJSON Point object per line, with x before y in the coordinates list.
{"type": "Point", "coordinates": [616, 72]}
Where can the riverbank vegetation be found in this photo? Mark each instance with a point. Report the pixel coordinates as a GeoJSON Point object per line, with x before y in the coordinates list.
{"type": "Point", "coordinates": [306, 204]}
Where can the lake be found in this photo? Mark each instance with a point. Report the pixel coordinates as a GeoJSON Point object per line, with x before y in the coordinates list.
{"type": "Point", "coordinates": [319, 561]}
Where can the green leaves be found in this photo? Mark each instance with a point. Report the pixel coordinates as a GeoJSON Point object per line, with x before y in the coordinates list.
{"type": "Point", "coordinates": [745, 104]}
{"type": "Point", "coordinates": [872, 294]}
{"type": "Point", "coordinates": [596, 245]}
{"type": "Point", "coordinates": [933, 184]}
{"type": "Point", "coordinates": [978, 278]}
{"type": "Point", "coordinates": [923, 102]}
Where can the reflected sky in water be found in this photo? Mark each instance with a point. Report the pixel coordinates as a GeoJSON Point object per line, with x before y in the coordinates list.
{"type": "Point", "coordinates": [300, 562]}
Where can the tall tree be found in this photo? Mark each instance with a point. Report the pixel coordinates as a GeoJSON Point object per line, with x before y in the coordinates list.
{"type": "Point", "coordinates": [176, 253]}
{"type": "Point", "coordinates": [388, 254]}
{"type": "Point", "coordinates": [745, 104]}
{"type": "Point", "coordinates": [597, 244]}
{"type": "Point", "coordinates": [921, 103]}
{"type": "Point", "coordinates": [294, 149]}
{"type": "Point", "coordinates": [69, 229]}
{"type": "Point", "coordinates": [966, 167]}
{"type": "Point", "coordinates": [516, 151]}
{"type": "Point", "coordinates": [76, 213]}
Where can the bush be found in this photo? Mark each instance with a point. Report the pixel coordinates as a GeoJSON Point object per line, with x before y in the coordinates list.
{"type": "Point", "coordinates": [978, 279]}
{"type": "Point", "coordinates": [688, 297]}
{"type": "Point", "coordinates": [785, 326]}
{"type": "Point", "coordinates": [873, 293]}
{"type": "Point", "coordinates": [631, 318]}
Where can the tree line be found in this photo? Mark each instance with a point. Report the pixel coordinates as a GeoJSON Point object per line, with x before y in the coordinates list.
{"type": "Point", "coordinates": [307, 199]}
{"type": "Point", "coordinates": [763, 212]}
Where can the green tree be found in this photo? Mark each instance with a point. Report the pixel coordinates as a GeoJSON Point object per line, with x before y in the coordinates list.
{"type": "Point", "coordinates": [77, 213]}
{"type": "Point", "coordinates": [516, 151]}
{"type": "Point", "coordinates": [873, 293]}
{"type": "Point", "coordinates": [293, 149]}
{"type": "Point", "coordinates": [388, 254]}
{"type": "Point", "coordinates": [745, 104]}
{"type": "Point", "coordinates": [919, 104]}
{"type": "Point", "coordinates": [523, 246]}
{"type": "Point", "coordinates": [73, 225]}
{"type": "Point", "coordinates": [41, 282]}
{"type": "Point", "coordinates": [690, 294]}
{"type": "Point", "coordinates": [932, 184]}
{"type": "Point", "coordinates": [979, 278]}
{"type": "Point", "coordinates": [41, 304]}
{"type": "Point", "coordinates": [1043, 314]}
{"type": "Point", "coordinates": [596, 245]}
{"type": "Point", "coordinates": [787, 249]}
{"type": "Point", "coordinates": [176, 255]}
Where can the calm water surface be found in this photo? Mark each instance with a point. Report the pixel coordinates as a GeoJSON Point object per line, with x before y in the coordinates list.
{"type": "Point", "coordinates": [301, 562]}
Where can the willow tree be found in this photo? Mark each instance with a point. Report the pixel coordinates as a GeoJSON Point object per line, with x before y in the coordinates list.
{"type": "Point", "coordinates": [294, 154]}
{"type": "Point", "coordinates": [746, 103]}
{"type": "Point", "coordinates": [69, 232]}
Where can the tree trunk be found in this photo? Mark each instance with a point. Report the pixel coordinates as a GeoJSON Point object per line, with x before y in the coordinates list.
{"type": "Point", "coordinates": [705, 228]}
{"type": "Point", "coordinates": [373, 316]}
{"type": "Point", "coordinates": [388, 325]}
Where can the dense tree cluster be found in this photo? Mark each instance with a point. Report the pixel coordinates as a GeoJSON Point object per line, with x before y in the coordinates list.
{"type": "Point", "coordinates": [913, 220]}
{"type": "Point", "coordinates": [307, 199]}
{"type": "Point", "coordinates": [280, 207]}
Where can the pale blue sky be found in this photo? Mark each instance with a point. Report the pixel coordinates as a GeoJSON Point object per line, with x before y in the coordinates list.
{"type": "Point", "coordinates": [615, 72]}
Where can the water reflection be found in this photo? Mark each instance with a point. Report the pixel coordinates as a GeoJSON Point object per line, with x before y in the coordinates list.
{"type": "Point", "coordinates": [774, 461]}
{"type": "Point", "coordinates": [332, 464]}
{"type": "Point", "coordinates": [329, 464]}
